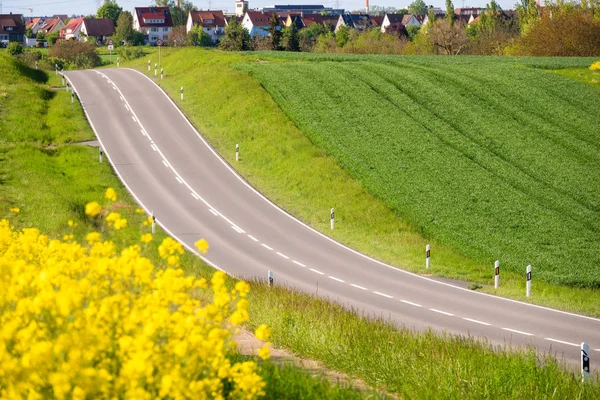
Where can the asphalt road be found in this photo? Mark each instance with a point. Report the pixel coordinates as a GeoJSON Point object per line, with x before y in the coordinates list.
{"type": "Point", "coordinates": [171, 170]}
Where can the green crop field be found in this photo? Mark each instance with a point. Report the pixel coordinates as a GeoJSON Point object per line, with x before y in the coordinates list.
{"type": "Point", "coordinates": [495, 158]}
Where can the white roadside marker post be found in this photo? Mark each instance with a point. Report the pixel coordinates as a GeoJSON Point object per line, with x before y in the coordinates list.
{"type": "Point", "coordinates": [427, 256]}
{"type": "Point", "coordinates": [55, 69]}
{"type": "Point", "coordinates": [153, 223]}
{"type": "Point", "coordinates": [237, 152]}
{"type": "Point", "coordinates": [585, 362]}
{"type": "Point", "coordinates": [332, 218]}
{"type": "Point", "coordinates": [67, 87]}
{"type": "Point", "coordinates": [182, 93]}
{"type": "Point", "coordinates": [63, 79]}
{"type": "Point", "coordinates": [270, 276]}
{"type": "Point", "coordinates": [118, 62]}
{"type": "Point", "coordinates": [528, 291]}
{"type": "Point", "coordinates": [155, 69]}
{"type": "Point", "coordinates": [36, 64]}
{"type": "Point", "coordinates": [101, 153]}
{"type": "Point", "coordinates": [72, 96]}
{"type": "Point", "coordinates": [162, 72]}
{"type": "Point", "coordinates": [496, 274]}
{"type": "Point", "coordinates": [149, 65]}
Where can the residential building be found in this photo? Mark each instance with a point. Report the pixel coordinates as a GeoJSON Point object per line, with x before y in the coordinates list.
{"type": "Point", "coordinates": [305, 9]}
{"type": "Point", "coordinates": [257, 23]}
{"type": "Point", "coordinates": [34, 24]}
{"type": "Point", "coordinates": [155, 23]}
{"type": "Point", "coordinates": [355, 21]}
{"type": "Point", "coordinates": [212, 22]}
{"type": "Point", "coordinates": [98, 28]}
{"type": "Point", "coordinates": [241, 6]}
{"type": "Point", "coordinates": [72, 30]}
{"type": "Point", "coordinates": [51, 25]}
{"type": "Point", "coordinates": [12, 28]}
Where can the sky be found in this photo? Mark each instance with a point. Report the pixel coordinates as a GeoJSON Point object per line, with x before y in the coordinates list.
{"type": "Point", "coordinates": [87, 7]}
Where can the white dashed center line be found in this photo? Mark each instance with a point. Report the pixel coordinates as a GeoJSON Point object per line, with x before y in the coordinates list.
{"type": "Point", "coordinates": [519, 332]}
{"type": "Point", "coordinates": [563, 342]}
{"type": "Point", "coordinates": [266, 247]}
{"type": "Point", "coordinates": [336, 279]}
{"type": "Point", "coordinates": [358, 287]}
{"type": "Point", "coordinates": [253, 238]}
{"type": "Point", "coordinates": [317, 271]}
{"type": "Point", "coordinates": [411, 303]}
{"type": "Point", "coordinates": [283, 255]}
{"type": "Point", "coordinates": [384, 295]}
{"type": "Point", "coordinates": [477, 322]}
{"type": "Point", "coordinates": [299, 263]}
{"type": "Point", "coordinates": [441, 312]}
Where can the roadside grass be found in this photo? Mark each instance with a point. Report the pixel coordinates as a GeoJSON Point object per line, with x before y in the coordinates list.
{"type": "Point", "coordinates": [52, 185]}
{"type": "Point", "coordinates": [230, 107]}
{"type": "Point", "coordinates": [582, 74]}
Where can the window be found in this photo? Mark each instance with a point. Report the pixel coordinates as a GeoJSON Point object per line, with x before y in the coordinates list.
{"type": "Point", "coordinates": [208, 21]}
{"type": "Point", "coordinates": [153, 29]}
{"type": "Point", "coordinates": [9, 28]}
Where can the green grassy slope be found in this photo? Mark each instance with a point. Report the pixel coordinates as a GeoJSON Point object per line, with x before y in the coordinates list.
{"type": "Point", "coordinates": [495, 160]}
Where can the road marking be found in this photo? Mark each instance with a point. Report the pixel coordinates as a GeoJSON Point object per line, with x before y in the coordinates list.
{"type": "Point", "coordinates": [358, 287]}
{"type": "Point", "coordinates": [133, 118]}
{"type": "Point", "coordinates": [335, 279]}
{"type": "Point", "coordinates": [384, 295]}
{"type": "Point", "coordinates": [237, 229]}
{"type": "Point", "coordinates": [516, 331]}
{"type": "Point", "coordinates": [253, 238]}
{"type": "Point", "coordinates": [441, 312]}
{"type": "Point", "coordinates": [213, 211]}
{"type": "Point", "coordinates": [123, 100]}
{"type": "Point", "coordinates": [127, 108]}
{"type": "Point", "coordinates": [114, 88]}
{"type": "Point", "coordinates": [154, 147]}
{"type": "Point", "coordinates": [266, 247]}
{"type": "Point", "coordinates": [143, 132]}
{"type": "Point", "coordinates": [178, 180]}
{"type": "Point", "coordinates": [283, 255]}
{"type": "Point", "coordinates": [166, 163]}
{"type": "Point", "coordinates": [194, 195]}
{"type": "Point", "coordinates": [477, 322]}
{"type": "Point", "coordinates": [299, 263]}
{"type": "Point", "coordinates": [411, 303]}
{"type": "Point", "coordinates": [596, 349]}
{"type": "Point", "coordinates": [562, 341]}
{"type": "Point", "coordinates": [317, 271]}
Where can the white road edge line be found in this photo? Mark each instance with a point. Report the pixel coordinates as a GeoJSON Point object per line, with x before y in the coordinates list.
{"type": "Point", "coordinates": [477, 322]}
{"type": "Point", "coordinates": [166, 163]}
{"type": "Point", "coordinates": [213, 211]}
{"type": "Point", "coordinates": [194, 195]}
{"type": "Point", "coordinates": [133, 118]}
{"type": "Point", "coordinates": [411, 303]}
{"type": "Point", "coordinates": [178, 180]}
{"type": "Point", "coordinates": [519, 332]}
{"type": "Point", "coordinates": [143, 133]}
{"type": "Point", "coordinates": [299, 263]}
{"type": "Point", "coordinates": [266, 247]}
{"type": "Point", "coordinates": [283, 255]}
{"type": "Point", "coordinates": [237, 229]}
{"type": "Point", "coordinates": [336, 279]}
{"type": "Point", "coordinates": [563, 342]}
{"type": "Point", "coordinates": [358, 287]}
{"type": "Point", "coordinates": [154, 147]}
{"type": "Point", "coordinates": [384, 295]}
{"type": "Point", "coordinates": [253, 238]}
{"type": "Point", "coordinates": [596, 349]}
{"type": "Point", "coordinates": [317, 271]}
{"type": "Point", "coordinates": [441, 312]}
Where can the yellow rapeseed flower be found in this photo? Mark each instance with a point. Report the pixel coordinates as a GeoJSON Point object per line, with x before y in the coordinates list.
{"type": "Point", "coordinates": [15, 210]}
{"type": "Point", "coordinates": [93, 237]}
{"type": "Point", "coordinates": [595, 66]}
{"type": "Point", "coordinates": [139, 211]}
{"type": "Point", "coordinates": [110, 194]}
{"type": "Point", "coordinates": [264, 352]}
{"type": "Point", "coordinates": [93, 208]}
{"type": "Point", "coordinates": [202, 246]}
{"type": "Point", "coordinates": [263, 332]}
{"type": "Point", "coordinates": [147, 238]}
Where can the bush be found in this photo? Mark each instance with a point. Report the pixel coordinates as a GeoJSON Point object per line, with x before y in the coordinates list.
{"type": "Point", "coordinates": [131, 53]}
{"type": "Point", "coordinates": [15, 48]}
{"type": "Point", "coordinates": [78, 54]}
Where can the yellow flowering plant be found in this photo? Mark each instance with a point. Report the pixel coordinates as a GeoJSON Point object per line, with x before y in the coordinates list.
{"type": "Point", "coordinates": [595, 66]}
{"type": "Point", "coordinates": [87, 321]}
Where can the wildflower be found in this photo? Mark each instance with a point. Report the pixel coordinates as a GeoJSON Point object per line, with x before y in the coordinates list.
{"type": "Point", "coordinates": [169, 247]}
{"type": "Point", "coordinates": [139, 211]}
{"type": "Point", "coordinates": [264, 352]}
{"type": "Point", "coordinates": [15, 210]}
{"type": "Point", "coordinates": [262, 332]}
{"type": "Point", "coordinates": [93, 237]}
{"type": "Point", "coordinates": [202, 246]}
{"type": "Point", "coordinates": [111, 194]}
{"type": "Point", "coordinates": [92, 209]}
{"type": "Point", "coordinates": [66, 238]}
{"type": "Point", "coordinates": [147, 238]}
{"type": "Point", "coordinates": [120, 223]}
{"type": "Point", "coordinates": [595, 66]}
{"type": "Point", "coordinates": [70, 223]}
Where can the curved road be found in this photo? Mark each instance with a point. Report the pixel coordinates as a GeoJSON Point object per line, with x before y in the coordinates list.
{"type": "Point", "coordinates": [170, 169]}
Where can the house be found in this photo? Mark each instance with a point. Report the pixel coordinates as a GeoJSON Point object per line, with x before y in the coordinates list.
{"type": "Point", "coordinates": [212, 22]}
{"type": "Point", "coordinates": [355, 21]}
{"type": "Point", "coordinates": [12, 28]}
{"type": "Point", "coordinates": [72, 30]}
{"type": "Point", "coordinates": [304, 9]}
{"type": "Point", "coordinates": [376, 20]}
{"type": "Point", "coordinates": [51, 25]}
{"type": "Point", "coordinates": [155, 23]}
{"type": "Point", "coordinates": [257, 23]}
{"type": "Point", "coordinates": [98, 28]}
{"type": "Point", "coordinates": [241, 6]}
{"type": "Point", "coordinates": [34, 24]}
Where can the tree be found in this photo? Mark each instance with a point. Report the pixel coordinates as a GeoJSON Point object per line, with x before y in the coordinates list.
{"type": "Point", "coordinates": [449, 38]}
{"type": "Point", "coordinates": [15, 48]}
{"type": "Point", "coordinates": [342, 36]}
{"type": "Point", "coordinates": [289, 39]}
{"type": "Point", "coordinates": [236, 37]}
{"type": "Point", "coordinates": [274, 31]}
{"type": "Point", "coordinates": [138, 38]}
{"type": "Point", "coordinates": [450, 12]}
{"type": "Point", "coordinates": [40, 35]}
{"type": "Point", "coordinates": [110, 9]}
{"type": "Point", "coordinates": [178, 14]}
{"type": "Point", "coordinates": [80, 54]}
{"type": "Point", "coordinates": [412, 30]}
{"type": "Point", "coordinates": [418, 7]}
{"type": "Point", "coordinates": [197, 37]}
{"type": "Point", "coordinates": [29, 33]}
{"type": "Point", "coordinates": [52, 38]}
{"type": "Point", "coordinates": [528, 13]}
{"type": "Point", "coordinates": [124, 29]}
{"type": "Point", "coordinates": [308, 36]}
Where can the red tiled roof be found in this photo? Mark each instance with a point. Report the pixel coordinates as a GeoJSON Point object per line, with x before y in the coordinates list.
{"type": "Point", "coordinates": [99, 26]}
{"type": "Point", "coordinates": [143, 13]}
{"type": "Point", "coordinates": [216, 18]}
{"type": "Point", "coordinates": [73, 24]}
{"type": "Point", "coordinates": [49, 25]}
{"type": "Point", "coordinates": [14, 21]}
{"type": "Point", "coordinates": [258, 18]}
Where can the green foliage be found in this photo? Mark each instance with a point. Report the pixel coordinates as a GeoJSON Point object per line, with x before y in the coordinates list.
{"type": "Point", "coordinates": [308, 36]}
{"type": "Point", "coordinates": [197, 37]}
{"type": "Point", "coordinates": [29, 33]}
{"type": "Point", "coordinates": [289, 39]}
{"type": "Point", "coordinates": [342, 36]}
{"type": "Point", "coordinates": [52, 38]}
{"type": "Point", "coordinates": [275, 32]}
{"type": "Point", "coordinates": [450, 17]}
{"type": "Point", "coordinates": [236, 37]}
{"type": "Point", "coordinates": [418, 7]}
{"type": "Point", "coordinates": [40, 35]}
{"type": "Point", "coordinates": [131, 53]}
{"type": "Point", "coordinates": [124, 29]}
{"type": "Point", "coordinates": [15, 48]}
{"type": "Point", "coordinates": [138, 38]}
{"type": "Point", "coordinates": [78, 54]}
{"type": "Point", "coordinates": [110, 9]}
{"type": "Point", "coordinates": [412, 30]}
